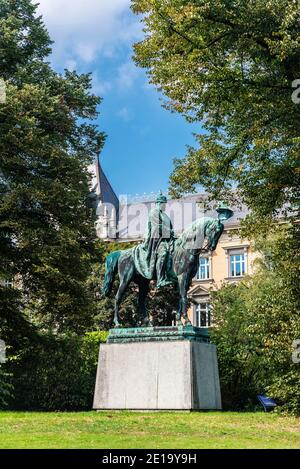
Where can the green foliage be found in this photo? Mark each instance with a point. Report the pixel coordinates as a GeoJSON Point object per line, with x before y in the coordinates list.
{"type": "Point", "coordinates": [46, 143]}
{"type": "Point", "coordinates": [156, 430]}
{"type": "Point", "coordinates": [162, 304]}
{"type": "Point", "coordinates": [6, 388]}
{"type": "Point", "coordinates": [57, 373]}
{"type": "Point", "coordinates": [15, 329]}
{"type": "Point", "coordinates": [256, 324]}
{"type": "Point", "coordinates": [231, 66]}
{"type": "Point", "coordinates": [47, 236]}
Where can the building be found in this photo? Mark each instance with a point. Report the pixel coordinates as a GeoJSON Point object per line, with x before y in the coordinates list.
{"type": "Point", "coordinates": [104, 201]}
{"type": "Point", "coordinates": [230, 262]}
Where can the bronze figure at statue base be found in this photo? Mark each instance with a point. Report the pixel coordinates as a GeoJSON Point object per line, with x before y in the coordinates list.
{"type": "Point", "coordinates": [155, 334]}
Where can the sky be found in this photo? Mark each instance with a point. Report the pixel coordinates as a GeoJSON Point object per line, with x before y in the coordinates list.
{"type": "Point", "coordinates": [142, 138]}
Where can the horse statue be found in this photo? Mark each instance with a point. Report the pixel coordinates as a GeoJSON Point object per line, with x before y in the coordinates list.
{"type": "Point", "coordinates": [200, 237]}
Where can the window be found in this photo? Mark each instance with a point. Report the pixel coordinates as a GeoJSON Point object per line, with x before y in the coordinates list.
{"type": "Point", "coordinates": [237, 265]}
{"type": "Point", "coordinates": [203, 315]}
{"type": "Point", "coordinates": [237, 261]}
{"type": "Point", "coordinates": [204, 270]}
{"type": "Point", "coordinates": [8, 283]}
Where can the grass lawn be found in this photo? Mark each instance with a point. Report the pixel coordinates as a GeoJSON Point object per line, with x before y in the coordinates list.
{"type": "Point", "coordinates": [148, 430]}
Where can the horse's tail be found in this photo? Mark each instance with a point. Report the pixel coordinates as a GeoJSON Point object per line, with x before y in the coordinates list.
{"type": "Point", "coordinates": [111, 267]}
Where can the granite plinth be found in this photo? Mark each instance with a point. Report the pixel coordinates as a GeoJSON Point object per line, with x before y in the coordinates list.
{"type": "Point", "coordinates": [166, 374]}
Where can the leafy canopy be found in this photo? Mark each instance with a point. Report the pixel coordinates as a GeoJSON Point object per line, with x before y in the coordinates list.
{"type": "Point", "coordinates": [256, 323]}
{"type": "Point", "coordinates": [47, 141]}
{"type": "Point", "coordinates": [231, 65]}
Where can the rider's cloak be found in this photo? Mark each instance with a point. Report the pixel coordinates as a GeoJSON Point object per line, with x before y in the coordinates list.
{"type": "Point", "coordinates": [158, 243]}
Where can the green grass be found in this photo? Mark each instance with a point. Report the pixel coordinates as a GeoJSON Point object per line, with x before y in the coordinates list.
{"type": "Point", "coordinates": [148, 430]}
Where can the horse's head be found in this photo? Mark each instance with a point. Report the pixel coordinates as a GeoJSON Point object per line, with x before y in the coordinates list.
{"type": "Point", "coordinates": [213, 231]}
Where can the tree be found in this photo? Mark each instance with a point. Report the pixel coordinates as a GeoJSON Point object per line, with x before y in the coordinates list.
{"type": "Point", "coordinates": [232, 66]}
{"type": "Point", "coordinates": [6, 388]}
{"type": "Point", "coordinates": [46, 143]}
{"type": "Point", "coordinates": [256, 323]}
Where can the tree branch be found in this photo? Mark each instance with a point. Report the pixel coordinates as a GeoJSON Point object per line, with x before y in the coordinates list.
{"type": "Point", "coordinates": [187, 38]}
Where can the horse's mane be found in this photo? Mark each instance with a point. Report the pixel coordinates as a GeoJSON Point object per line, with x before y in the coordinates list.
{"type": "Point", "coordinates": [195, 233]}
{"type": "Point", "coordinates": [191, 242]}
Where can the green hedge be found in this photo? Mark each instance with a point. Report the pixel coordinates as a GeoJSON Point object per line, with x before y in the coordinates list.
{"type": "Point", "coordinates": [256, 323]}
{"type": "Point", "coordinates": [57, 373]}
{"type": "Point", "coordinates": [6, 388]}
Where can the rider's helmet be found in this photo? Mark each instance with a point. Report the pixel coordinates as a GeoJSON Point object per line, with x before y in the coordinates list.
{"type": "Point", "coordinates": [161, 199]}
{"type": "Point", "coordinates": [224, 212]}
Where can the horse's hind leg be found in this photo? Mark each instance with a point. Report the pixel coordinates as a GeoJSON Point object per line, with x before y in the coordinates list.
{"type": "Point", "coordinates": [118, 300]}
{"type": "Point", "coordinates": [125, 279]}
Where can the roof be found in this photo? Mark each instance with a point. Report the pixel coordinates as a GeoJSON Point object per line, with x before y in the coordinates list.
{"type": "Point", "coordinates": [101, 189]}
{"type": "Point", "coordinates": [107, 194]}
{"type": "Point", "coordinates": [133, 217]}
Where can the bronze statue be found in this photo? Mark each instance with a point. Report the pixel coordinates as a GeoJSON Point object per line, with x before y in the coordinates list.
{"type": "Point", "coordinates": [154, 255]}
{"type": "Point", "coordinates": [163, 258]}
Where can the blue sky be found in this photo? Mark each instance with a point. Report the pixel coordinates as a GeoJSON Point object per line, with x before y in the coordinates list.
{"type": "Point", "coordinates": [142, 138]}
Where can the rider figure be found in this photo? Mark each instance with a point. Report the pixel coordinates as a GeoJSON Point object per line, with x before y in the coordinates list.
{"type": "Point", "coordinates": [153, 257]}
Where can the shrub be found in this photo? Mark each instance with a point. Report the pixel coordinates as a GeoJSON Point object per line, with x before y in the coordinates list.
{"type": "Point", "coordinates": [58, 373]}
{"type": "Point", "coordinates": [256, 324]}
{"type": "Point", "coordinates": [6, 388]}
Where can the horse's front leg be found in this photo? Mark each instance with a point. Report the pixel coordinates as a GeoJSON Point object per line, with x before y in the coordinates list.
{"type": "Point", "coordinates": [183, 302]}
{"type": "Point", "coordinates": [179, 314]}
{"type": "Point", "coordinates": [180, 305]}
{"type": "Point", "coordinates": [185, 310]}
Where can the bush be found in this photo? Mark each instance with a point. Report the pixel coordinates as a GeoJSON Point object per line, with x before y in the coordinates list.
{"type": "Point", "coordinates": [256, 324]}
{"type": "Point", "coordinates": [6, 388]}
{"type": "Point", "coordinates": [58, 373]}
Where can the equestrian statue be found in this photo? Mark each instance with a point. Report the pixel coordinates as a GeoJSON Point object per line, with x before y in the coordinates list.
{"type": "Point", "coordinates": [163, 258]}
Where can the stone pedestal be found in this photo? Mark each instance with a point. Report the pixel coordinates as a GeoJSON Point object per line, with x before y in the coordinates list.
{"type": "Point", "coordinates": [139, 371]}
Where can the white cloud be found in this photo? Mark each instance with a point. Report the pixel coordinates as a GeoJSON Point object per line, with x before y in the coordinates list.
{"type": "Point", "coordinates": [71, 65]}
{"type": "Point", "coordinates": [83, 29]}
{"type": "Point", "coordinates": [127, 73]}
{"type": "Point", "coordinates": [100, 87]}
{"type": "Point", "coordinates": [125, 114]}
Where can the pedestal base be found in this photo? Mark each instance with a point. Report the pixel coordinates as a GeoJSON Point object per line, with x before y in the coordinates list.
{"type": "Point", "coordinates": [158, 375]}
